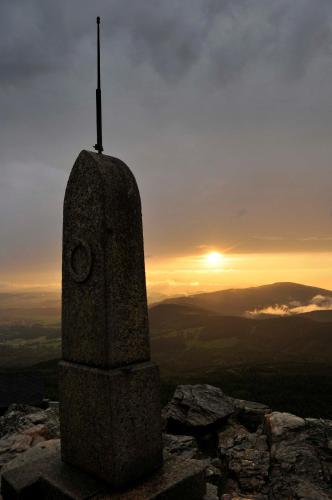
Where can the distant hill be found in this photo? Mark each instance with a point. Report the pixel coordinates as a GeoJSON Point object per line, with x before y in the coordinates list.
{"type": "Point", "coordinates": [185, 338]}
{"type": "Point", "coordinates": [283, 360]}
{"type": "Point", "coordinates": [261, 302]}
{"type": "Point", "coordinates": [241, 302]}
{"type": "Point", "coordinates": [30, 307]}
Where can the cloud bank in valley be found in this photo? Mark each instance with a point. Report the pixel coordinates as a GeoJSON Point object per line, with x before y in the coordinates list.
{"type": "Point", "coordinates": [317, 303]}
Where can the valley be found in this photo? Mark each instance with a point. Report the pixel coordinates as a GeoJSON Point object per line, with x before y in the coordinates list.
{"type": "Point", "coordinates": [283, 360]}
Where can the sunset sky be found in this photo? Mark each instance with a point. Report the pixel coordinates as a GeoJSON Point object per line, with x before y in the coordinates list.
{"type": "Point", "coordinates": [222, 109]}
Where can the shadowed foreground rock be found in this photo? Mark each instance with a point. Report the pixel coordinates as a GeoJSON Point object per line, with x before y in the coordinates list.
{"type": "Point", "coordinates": [256, 454]}
{"type": "Point", "coordinates": [196, 408]}
{"type": "Point", "coordinates": [23, 427]}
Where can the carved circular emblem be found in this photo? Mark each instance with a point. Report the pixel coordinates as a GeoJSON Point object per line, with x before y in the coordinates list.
{"type": "Point", "coordinates": [80, 260]}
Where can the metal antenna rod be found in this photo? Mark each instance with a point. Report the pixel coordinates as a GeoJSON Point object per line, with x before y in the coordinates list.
{"type": "Point", "coordinates": [99, 145]}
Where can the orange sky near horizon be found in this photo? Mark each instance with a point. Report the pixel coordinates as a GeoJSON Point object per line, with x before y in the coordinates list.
{"type": "Point", "coordinates": [213, 269]}
{"type": "Point", "coordinates": [227, 128]}
{"type": "Point", "coordinates": [195, 273]}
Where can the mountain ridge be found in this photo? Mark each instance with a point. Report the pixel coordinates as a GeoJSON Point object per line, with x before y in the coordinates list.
{"type": "Point", "coordinates": [241, 301]}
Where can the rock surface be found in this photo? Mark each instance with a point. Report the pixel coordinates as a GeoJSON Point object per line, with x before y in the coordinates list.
{"type": "Point", "coordinates": [253, 453]}
{"type": "Point", "coordinates": [22, 427]}
{"type": "Point", "coordinates": [196, 408]}
{"type": "Point", "coordinates": [259, 454]}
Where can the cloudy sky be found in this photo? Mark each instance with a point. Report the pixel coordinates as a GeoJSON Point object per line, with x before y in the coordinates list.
{"type": "Point", "coordinates": [222, 108]}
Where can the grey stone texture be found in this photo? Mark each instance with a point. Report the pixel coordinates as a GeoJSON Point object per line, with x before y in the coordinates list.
{"type": "Point", "coordinates": [178, 479]}
{"type": "Point", "coordinates": [110, 420]}
{"type": "Point", "coordinates": [50, 478]}
{"type": "Point", "coordinates": [110, 417]}
{"type": "Point", "coordinates": [196, 407]}
{"type": "Point", "coordinates": [22, 428]}
{"type": "Point", "coordinates": [104, 306]}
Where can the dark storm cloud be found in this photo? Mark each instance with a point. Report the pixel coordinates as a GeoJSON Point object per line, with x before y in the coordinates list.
{"type": "Point", "coordinates": [308, 35]}
{"type": "Point", "coordinates": [284, 36]}
{"type": "Point", "coordinates": [44, 37]}
{"type": "Point", "coordinates": [34, 40]}
{"type": "Point", "coordinates": [39, 37]}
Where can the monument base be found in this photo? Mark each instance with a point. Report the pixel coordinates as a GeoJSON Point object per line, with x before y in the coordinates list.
{"type": "Point", "coordinates": [110, 420]}
{"type": "Point", "coordinates": [50, 478]}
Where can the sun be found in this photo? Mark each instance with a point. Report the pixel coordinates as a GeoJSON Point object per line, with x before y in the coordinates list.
{"type": "Point", "coordinates": [214, 258]}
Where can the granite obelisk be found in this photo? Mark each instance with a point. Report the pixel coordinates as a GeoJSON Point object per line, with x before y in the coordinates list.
{"type": "Point", "coordinates": [109, 388]}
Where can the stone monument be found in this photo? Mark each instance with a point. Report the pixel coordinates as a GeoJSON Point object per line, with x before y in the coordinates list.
{"type": "Point", "coordinates": [109, 389]}
{"type": "Point", "coordinates": [110, 418]}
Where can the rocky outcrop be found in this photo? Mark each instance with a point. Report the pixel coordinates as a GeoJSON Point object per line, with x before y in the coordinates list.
{"type": "Point", "coordinates": [23, 427]}
{"type": "Point", "coordinates": [301, 456]}
{"type": "Point", "coordinates": [197, 408]}
{"type": "Point", "coordinates": [249, 452]}
{"type": "Point", "coordinates": [258, 454]}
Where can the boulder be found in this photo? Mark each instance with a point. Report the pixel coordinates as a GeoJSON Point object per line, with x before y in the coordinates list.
{"type": "Point", "coordinates": [301, 462]}
{"type": "Point", "coordinates": [246, 458]}
{"type": "Point", "coordinates": [197, 409]}
{"type": "Point", "coordinates": [23, 427]}
{"type": "Point", "coordinates": [280, 425]}
{"type": "Point", "coordinates": [41, 450]}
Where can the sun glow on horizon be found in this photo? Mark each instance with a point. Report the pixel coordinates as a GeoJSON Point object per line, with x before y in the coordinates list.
{"type": "Point", "coordinates": [214, 259]}
{"type": "Point", "coordinates": [212, 270]}
{"type": "Point", "coordinates": [206, 270]}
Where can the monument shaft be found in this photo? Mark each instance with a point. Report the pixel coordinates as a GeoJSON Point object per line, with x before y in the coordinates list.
{"type": "Point", "coordinates": [110, 396]}
{"type": "Point", "coordinates": [104, 307]}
